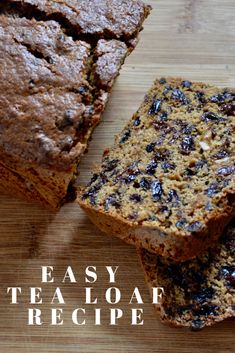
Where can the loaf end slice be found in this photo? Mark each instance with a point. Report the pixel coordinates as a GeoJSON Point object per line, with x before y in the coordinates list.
{"type": "Point", "coordinates": [167, 184]}
{"type": "Point", "coordinates": [56, 79]}
{"type": "Point", "coordinates": [199, 292]}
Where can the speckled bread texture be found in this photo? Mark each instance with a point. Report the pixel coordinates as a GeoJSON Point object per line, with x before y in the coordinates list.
{"type": "Point", "coordinates": [199, 292]}
{"type": "Point", "coordinates": [167, 184]}
{"type": "Point", "coordinates": [58, 64]}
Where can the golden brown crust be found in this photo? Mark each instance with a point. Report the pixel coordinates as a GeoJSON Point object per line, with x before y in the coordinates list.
{"type": "Point", "coordinates": [101, 18]}
{"type": "Point", "coordinates": [55, 83]}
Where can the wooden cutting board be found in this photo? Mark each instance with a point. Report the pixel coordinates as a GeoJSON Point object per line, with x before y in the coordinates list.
{"type": "Point", "coordinates": [189, 38]}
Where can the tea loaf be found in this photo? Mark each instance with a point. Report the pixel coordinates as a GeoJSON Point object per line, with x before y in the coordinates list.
{"type": "Point", "coordinates": [58, 63]}
{"type": "Point", "coordinates": [199, 292]}
{"type": "Point", "coordinates": [167, 184]}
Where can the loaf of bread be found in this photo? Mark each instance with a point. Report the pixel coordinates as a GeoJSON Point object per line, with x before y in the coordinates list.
{"type": "Point", "coordinates": [167, 184]}
{"type": "Point", "coordinates": [198, 292]}
{"type": "Point", "coordinates": [58, 63]}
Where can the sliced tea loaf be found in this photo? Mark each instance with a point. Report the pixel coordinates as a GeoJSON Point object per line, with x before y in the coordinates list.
{"type": "Point", "coordinates": [199, 292]}
{"type": "Point", "coordinates": [168, 182]}
{"type": "Point", "coordinates": [58, 64]}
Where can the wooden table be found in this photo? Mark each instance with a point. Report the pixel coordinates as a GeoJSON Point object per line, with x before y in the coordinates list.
{"type": "Point", "coordinates": [189, 38]}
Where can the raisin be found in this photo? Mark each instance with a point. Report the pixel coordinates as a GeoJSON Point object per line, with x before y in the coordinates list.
{"type": "Point", "coordinates": [226, 143]}
{"type": "Point", "coordinates": [91, 193]}
{"type": "Point", "coordinates": [132, 172]}
{"type": "Point", "coordinates": [186, 84]}
{"type": "Point", "coordinates": [164, 209]}
{"type": "Point", "coordinates": [197, 324]}
{"type": "Point", "coordinates": [150, 148]}
{"type": "Point", "coordinates": [228, 109]}
{"type": "Point", "coordinates": [189, 172]}
{"type": "Point", "coordinates": [167, 89]}
{"type": "Point", "coordinates": [125, 136]}
{"type": "Point", "coordinates": [136, 185]}
{"type": "Point", "coordinates": [226, 170]}
{"type": "Point", "coordinates": [127, 179]}
{"type": "Point", "coordinates": [172, 196]}
{"type": "Point", "coordinates": [181, 224]}
{"type": "Point", "coordinates": [225, 183]}
{"type": "Point", "coordinates": [209, 206]}
{"type": "Point", "coordinates": [201, 97]}
{"type": "Point", "coordinates": [161, 155]}
{"type": "Point", "coordinates": [166, 167]}
{"type": "Point", "coordinates": [133, 216]}
{"type": "Point", "coordinates": [194, 227]}
{"type": "Point", "coordinates": [188, 129]}
{"type": "Point", "coordinates": [111, 165]}
{"type": "Point", "coordinates": [161, 126]}
{"type": "Point", "coordinates": [137, 122]}
{"type": "Point", "coordinates": [163, 116]}
{"type": "Point", "coordinates": [145, 184]}
{"type": "Point", "coordinates": [210, 116]}
{"type": "Point", "coordinates": [187, 145]}
{"type": "Point", "coordinates": [103, 178]}
{"type": "Point", "coordinates": [228, 273]}
{"type": "Point", "coordinates": [206, 310]}
{"type": "Point", "coordinates": [135, 197]}
{"type": "Point", "coordinates": [112, 200]}
{"type": "Point", "coordinates": [151, 168]}
{"type": "Point", "coordinates": [229, 96]}
{"type": "Point", "coordinates": [200, 164]}
{"type": "Point", "coordinates": [213, 189]}
{"type": "Point", "coordinates": [162, 81]}
{"type": "Point", "coordinates": [155, 107]}
{"type": "Point", "coordinates": [218, 98]}
{"type": "Point", "coordinates": [157, 190]}
{"type": "Point", "coordinates": [221, 154]}
{"type": "Point", "coordinates": [179, 96]}
{"type": "Point", "coordinates": [93, 179]}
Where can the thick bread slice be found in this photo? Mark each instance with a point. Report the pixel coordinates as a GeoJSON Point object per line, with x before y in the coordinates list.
{"type": "Point", "coordinates": [199, 292]}
{"type": "Point", "coordinates": [168, 182]}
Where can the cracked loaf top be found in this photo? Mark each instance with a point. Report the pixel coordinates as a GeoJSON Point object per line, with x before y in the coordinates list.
{"type": "Point", "coordinates": [121, 19]}
{"type": "Point", "coordinates": [58, 63]}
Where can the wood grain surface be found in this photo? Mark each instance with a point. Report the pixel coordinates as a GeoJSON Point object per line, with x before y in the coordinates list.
{"type": "Point", "coordinates": [189, 38]}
